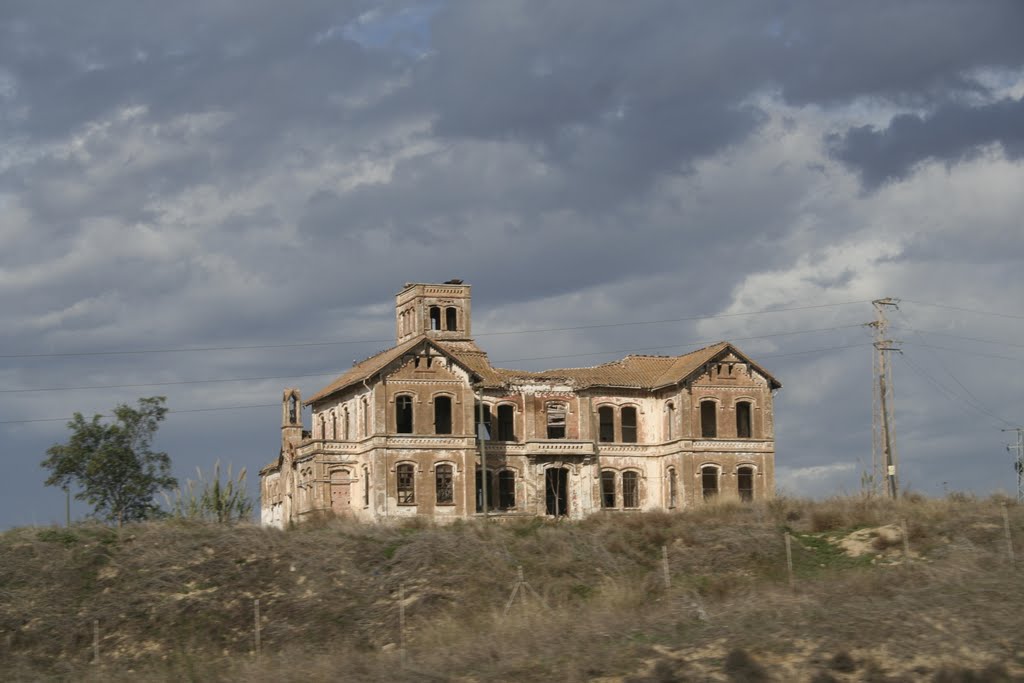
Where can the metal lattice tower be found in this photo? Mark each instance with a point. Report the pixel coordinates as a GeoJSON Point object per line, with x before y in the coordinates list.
{"type": "Point", "coordinates": [884, 462]}
{"type": "Point", "coordinates": [1018, 463]}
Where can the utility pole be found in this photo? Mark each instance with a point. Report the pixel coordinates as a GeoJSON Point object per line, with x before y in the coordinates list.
{"type": "Point", "coordinates": [883, 449]}
{"type": "Point", "coordinates": [1018, 464]}
{"type": "Point", "coordinates": [482, 436]}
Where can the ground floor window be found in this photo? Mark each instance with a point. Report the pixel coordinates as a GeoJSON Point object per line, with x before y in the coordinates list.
{"type": "Point", "coordinates": [709, 481]}
{"type": "Point", "coordinates": [607, 489]}
{"type": "Point", "coordinates": [406, 483]}
{"type": "Point", "coordinates": [443, 485]}
{"type": "Point", "coordinates": [745, 483]}
{"type": "Point", "coordinates": [630, 490]}
{"type": "Point", "coordinates": [506, 489]}
{"type": "Point", "coordinates": [673, 487]}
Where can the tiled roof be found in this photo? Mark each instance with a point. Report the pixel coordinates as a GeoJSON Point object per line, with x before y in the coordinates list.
{"type": "Point", "coordinates": [634, 371]}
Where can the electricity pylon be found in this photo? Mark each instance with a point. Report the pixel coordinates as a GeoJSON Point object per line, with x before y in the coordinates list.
{"type": "Point", "coordinates": [1018, 464]}
{"type": "Point", "coordinates": [884, 462]}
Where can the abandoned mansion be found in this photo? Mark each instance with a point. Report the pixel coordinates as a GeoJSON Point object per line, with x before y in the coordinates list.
{"type": "Point", "coordinates": [430, 428]}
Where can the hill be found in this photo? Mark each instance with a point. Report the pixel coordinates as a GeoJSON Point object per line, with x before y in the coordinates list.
{"type": "Point", "coordinates": [175, 601]}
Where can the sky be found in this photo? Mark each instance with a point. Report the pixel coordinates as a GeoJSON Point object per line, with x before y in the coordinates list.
{"type": "Point", "coordinates": [214, 200]}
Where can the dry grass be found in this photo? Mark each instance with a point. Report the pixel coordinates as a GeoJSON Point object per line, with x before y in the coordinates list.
{"type": "Point", "coordinates": [175, 601]}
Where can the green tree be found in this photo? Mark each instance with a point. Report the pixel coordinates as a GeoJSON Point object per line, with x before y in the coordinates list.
{"type": "Point", "coordinates": [113, 464]}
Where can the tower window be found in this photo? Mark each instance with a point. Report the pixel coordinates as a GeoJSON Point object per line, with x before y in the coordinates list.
{"type": "Point", "coordinates": [403, 414]}
{"type": "Point", "coordinates": [629, 424]}
{"type": "Point", "coordinates": [435, 317]}
{"type": "Point", "coordinates": [442, 415]}
{"type": "Point", "coordinates": [708, 419]}
{"type": "Point", "coordinates": [743, 425]}
{"type": "Point", "coordinates": [451, 318]}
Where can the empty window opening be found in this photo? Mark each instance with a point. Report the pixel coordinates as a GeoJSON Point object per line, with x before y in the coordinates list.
{"type": "Point", "coordinates": [451, 319]}
{"type": "Point", "coordinates": [708, 419]}
{"type": "Point", "coordinates": [743, 430]}
{"type": "Point", "coordinates": [629, 424]}
{"type": "Point", "coordinates": [367, 415]}
{"type": "Point", "coordinates": [488, 431]}
{"type": "Point", "coordinates": [506, 423]}
{"type": "Point", "coordinates": [293, 410]}
{"type": "Point", "coordinates": [556, 420]}
{"type": "Point", "coordinates": [443, 485]}
{"type": "Point", "coordinates": [670, 421]}
{"type": "Point", "coordinates": [480, 491]}
{"type": "Point", "coordinates": [442, 415]}
{"type": "Point", "coordinates": [366, 487]}
{"type": "Point", "coordinates": [607, 489]}
{"type": "Point", "coordinates": [556, 488]}
{"type": "Point", "coordinates": [606, 424]}
{"type": "Point", "coordinates": [709, 481]}
{"type": "Point", "coordinates": [435, 317]}
{"type": "Point", "coordinates": [745, 483]}
{"type": "Point", "coordinates": [334, 425]}
{"type": "Point", "coordinates": [403, 414]}
{"type": "Point", "coordinates": [630, 490]}
{"type": "Point", "coordinates": [506, 489]}
{"type": "Point", "coordinates": [673, 488]}
{"type": "Point", "coordinates": [406, 484]}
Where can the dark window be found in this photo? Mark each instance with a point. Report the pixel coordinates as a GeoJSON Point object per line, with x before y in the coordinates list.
{"type": "Point", "coordinates": [673, 491]}
{"type": "Point", "coordinates": [606, 423]}
{"type": "Point", "coordinates": [487, 421]}
{"type": "Point", "coordinates": [745, 483]}
{"type": "Point", "coordinates": [743, 420]}
{"type": "Point", "coordinates": [556, 420]}
{"type": "Point", "coordinates": [630, 490]}
{"type": "Point", "coordinates": [442, 415]}
{"type": "Point", "coordinates": [406, 485]}
{"type": "Point", "coordinates": [506, 423]}
{"type": "Point", "coordinates": [670, 421]}
{"type": "Point", "coordinates": [435, 317]}
{"type": "Point", "coordinates": [443, 484]}
{"type": "Point", "coordinates": [629, 424]}
{"type": "Point", "coordinates": [709, 481]}
{"type": "Point", "coordinates": [366, 486]}
{"type": "Point", "coordinates": [403, 414]}
{"type": "Point", "coordinates": [366, 418]}
{"type": "Point", "coordinates": [480, 491]}
{"type": "Point", "coordinates": [506, 489]}
{"type": "Point", "coordinates": [708, 419]}
{"type": "Point", "coordinates": [451, 319]}
{"type": "Point", "coordinates": [607, 489]}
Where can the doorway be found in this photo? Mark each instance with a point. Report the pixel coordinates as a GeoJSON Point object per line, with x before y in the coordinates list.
{"type": "Point", "coordinates": [341, 491]}
{"type": "Point", "coordinates": [556, 488]}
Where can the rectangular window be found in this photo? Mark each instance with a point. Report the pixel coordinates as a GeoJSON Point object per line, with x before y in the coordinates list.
{"type": "Point", "coordinates": [708, 419]}
{"type": "Point", "coordinates": [443, 484]}
{"type": "Point", "coordinates": [442, 415]}
{"type": "Point", "coordinates": [406, 484]}
{"type": "Point", "coordinates": [606, 424]}
{"type": "Point", "coordinates": [672, 487]}
{"type": "Point", "coordinates": [556, 420]}
{"type": "Point", "coordinates": [743, 430]}
{"type": "Point", "coordinates": [629, 425]}
{"type": "Point", "coordinates": [506, 423]}
{"type": "Point", "coordinates": [506, 489]}
{"type": "Point", "coordinates": [366, 487]}
{"type": "Point", "coordinates": [488, 425]}
{"type": "Point", "coordinates": [607, 489]}
{"type": "Point", "coordinates": [403, 415]}
{"type": "Point", "coordinates": [630, 490]}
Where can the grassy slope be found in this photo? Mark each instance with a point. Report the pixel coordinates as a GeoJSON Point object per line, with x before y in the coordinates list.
{"type": "Point", "coordinates": [175, 601]}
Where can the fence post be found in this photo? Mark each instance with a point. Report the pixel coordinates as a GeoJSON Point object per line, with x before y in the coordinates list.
{"type": "Point", "coordinates": [256, 626]}
{"type": "Point", "coordinates": [789, 559]}
{"type": "Point", "coordinates": [1009, 537]}
{"type": "Point", "coordinates": [664, 563]}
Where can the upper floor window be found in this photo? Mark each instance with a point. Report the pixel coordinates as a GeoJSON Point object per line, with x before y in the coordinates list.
{"type": "Point", "coordinates": [442, 415]}
{"type": "Point", "coordinates": [708, 419]}
{"type": "Point", "coordinates": [630, 489]}
{"type": "Point", "coordinates": [403, 414]}
{"type": "Point", "coordinates": [556, 414]}
{"type": "Point", "coordinates": [367, 415]}
{"type": "Point", "coordinates": [451, 318]}
{"type": "Point", "coordinates": [345, 426]}
{"type": "Point", "coordinates": [406, 484]}
{"type": "Point", "coordinates": [629, 424]}
{"type": "Point", "coordinates": [443, 485]}
{"type": "Point", "coordinates": [743, 425]}
{"type": "Point", "coordinates": [435, 317]}
{"type": "Point", "coordinates": [606, 424]}
{"type": "Point", "coordinates": [487, 423]}
{"type": "Point", "coordinates": [670, 421]}
{"type": "Point", "coordinates": [506, 423]}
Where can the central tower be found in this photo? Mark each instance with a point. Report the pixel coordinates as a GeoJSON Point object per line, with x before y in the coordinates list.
{"type": "Point", "coordinates": [439, 311]}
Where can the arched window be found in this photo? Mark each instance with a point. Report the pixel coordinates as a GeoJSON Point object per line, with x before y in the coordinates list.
{"type": "Point", "coordinates": [556, 414]}
{"type": "Point", "coordinates": [451, 318]}
{"type": "Point", "coordinates": [708, 419]}
{"type": "Point", "coordinates": [403, 414]}
{"type": "Point", "coordinates": [629, 425]}
{"type": "Point", "coordinates": [506, 489]}
{"type": "Point", "coordinates": [743, 430]}
{"type": "Point", "coordinates": [442, 415]}
{"type": "Point", "coordinates": [673, 487]}
{"type": "Point", "coordinates": [608, 489]}
{"type": "Point", "coordinates": [745, 483]}
{"type": "Point", "coordinates": [323, 426]}
{"type": "Point", "coordinates": [486, 410]}
{"type": "Point", "coordinates": [405, 480]}
{"type": "Point", "coordinates": [709, 481]}
{"type": "Point", "coordinates": [366, 487]}
{"type": "Point", "coordinates": [345, 424]}
{"type": "Point", "coordinates": [606, 424]}
{"type": "Point", "coordinates": [367, 421]}
{"type": "Point", "coordinates": [293, 409]}
{"type": "Point", "coordinates": [435, 317]}
{"type": "Point", "coordinates": [630, 489]}
{"type": "Point", "coordinates": [670, 421]}
{"type": "Point", "coordinates": [506, 423]}
{"type": "Point", "coordinates": [443, 485]}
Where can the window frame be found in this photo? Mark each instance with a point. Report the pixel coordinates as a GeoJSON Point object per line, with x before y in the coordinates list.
{"type": "Point", "coordinates": [550, 412]}
{"type": "Point", "coordinates": [405, 483]}
{"type": "Point", "coordinates": [451, 413]}
{"type": "Point", "coordinates": [444, 480]}
{"type": "Point", "coordinates": [746, 424]}
{"type": "Point", "coordinates": [609, 489]}
{"type": "Point", "coordinates": [634, 435]}
{"type": "Point", "coordinates": [634, 477]}
{"type": "Point", "coordinates": [410, 401]}
{"type": "Point", "coordinates": [708, 417]}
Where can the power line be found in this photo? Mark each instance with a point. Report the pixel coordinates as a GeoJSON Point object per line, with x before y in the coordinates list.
{"type": "Point", "coordinates": [961, 351]}
{"type": "Point", "coordinates": [975, 405]}
{"type": "Point", "coordinates": [388, 341]}
{"type": "Point", "coordinates": [967, 310]}
{"type": "Point", "coordinates": [957, 336]}
{"type": "Point", "coordinates": [331, 374]}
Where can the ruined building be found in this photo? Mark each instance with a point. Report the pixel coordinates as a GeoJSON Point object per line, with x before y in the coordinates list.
{"type": "Point", "coordinates": [396, 435]}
